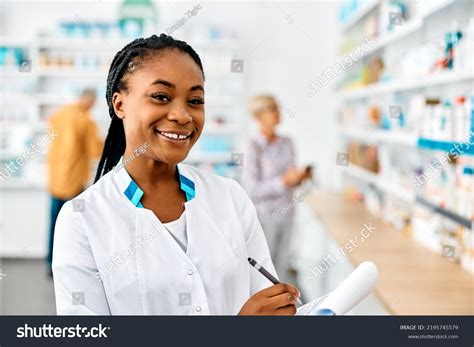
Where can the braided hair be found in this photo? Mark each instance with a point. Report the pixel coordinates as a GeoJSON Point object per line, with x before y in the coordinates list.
{"type": "Point", "coordinates": [126, 61]}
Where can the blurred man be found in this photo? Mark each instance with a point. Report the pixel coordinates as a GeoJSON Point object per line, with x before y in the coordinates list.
{"type": "Point", "coordinates": [269, 177]}
{"type": "Point", "coordinates": [71, 154]}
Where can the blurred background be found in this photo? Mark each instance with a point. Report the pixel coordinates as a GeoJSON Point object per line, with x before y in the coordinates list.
{"type": "Point", "coordinates": [377, 96]}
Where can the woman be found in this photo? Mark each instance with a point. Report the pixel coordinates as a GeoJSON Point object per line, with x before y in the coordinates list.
{"type": "Point", "coordinates": [153, 236]}
{"type": "Point", "coordinates": [270, 176]}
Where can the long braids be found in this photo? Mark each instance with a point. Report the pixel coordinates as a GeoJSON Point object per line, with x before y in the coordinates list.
{"type": "Point", "coordinates": [126, 61]}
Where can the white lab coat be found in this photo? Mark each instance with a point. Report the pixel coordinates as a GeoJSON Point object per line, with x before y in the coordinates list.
{"type": "Point", "coordinates": [112, 256]}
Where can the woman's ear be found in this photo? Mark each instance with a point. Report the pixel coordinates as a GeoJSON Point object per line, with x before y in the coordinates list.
{"type": "Point", "coordinates": [117, 103]}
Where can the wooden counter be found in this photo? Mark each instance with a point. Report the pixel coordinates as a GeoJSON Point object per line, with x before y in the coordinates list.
{"type": "Point", "coordinates": [413, 280]}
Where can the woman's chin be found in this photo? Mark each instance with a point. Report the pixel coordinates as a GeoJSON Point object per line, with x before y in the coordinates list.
{"type": "Point", "coordinates": [173, 157]}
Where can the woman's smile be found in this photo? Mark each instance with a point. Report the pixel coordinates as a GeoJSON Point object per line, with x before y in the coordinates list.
{"type": "Point", "coordinates": [175, 137]}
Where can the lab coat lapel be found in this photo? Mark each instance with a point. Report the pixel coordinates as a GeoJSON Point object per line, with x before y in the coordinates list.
{"type": "Point", "coordinates": [208, 248]}
{"type": "Point", "coordinates": [161, 265]}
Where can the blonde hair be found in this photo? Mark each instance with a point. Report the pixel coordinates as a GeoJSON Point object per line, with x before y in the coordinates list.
{"type": "Point", "coordinates": [260, 103]}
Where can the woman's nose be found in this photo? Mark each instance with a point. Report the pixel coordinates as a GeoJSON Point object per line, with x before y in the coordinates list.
{"type": "Point", "coordinates": [181, 115]}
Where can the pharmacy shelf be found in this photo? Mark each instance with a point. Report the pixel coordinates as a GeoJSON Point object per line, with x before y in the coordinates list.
{"type": "Point", "coordinates": [209, 157]}
{"type": "Point", "coordinates": [20, 185]}
{"type": "Point", "coordinates": [14, 42]}
{"type": "Point", "coordinates": [53, 72]}
{"type": "Point", "coordinates": [438, 79]}
{"type": "Point", "coordinates": [380, 183]}
{"type": "Point", "coordinates": [446, 146]}
{"type": "Point", "coordinates": [406, 29]}
{"type": "Point", "coordinates": [27, 100]}
{"type": "Point", "coordinates": [436, 7]}
{"type": "Point", "coordinates": [356, 17]}
{"type": "Point", "coordinates": [394, 190]}
{"type": "Point", "coordinates": [35, 100]}
{"type": "Point", "coordinates": [114, 45]}
{"type": "Point", "coordinates": [445, 213]}
{"type": "Point", "coordinates": [390, 37]}
{"type": "Point", "coordinates": [360, 173]}
{"type": "Point", "coordinates": [403, 138]}
{"type": "Point", "coordinates": [13, 71]}
{"type": "Point", "coordinates": [407, 196]}
{"type": "Point", "coordinates": [53, 99]}
{"type": "Point", "coordinates": [393, 36]}
{"type": "Point", "coordinates": [72, 73]}
{"type": "Point", "coordinates": [380, 136]}
{"type": "Point", "coordinates": [86, 44]}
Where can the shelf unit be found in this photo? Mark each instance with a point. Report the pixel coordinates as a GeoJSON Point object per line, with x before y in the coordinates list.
{"type": "Point", "coordinates": [371, 178]}
{"type": "Point", "coordinates": [446, 213]}
{"type": "Point", "coordinates": [356, 17]}
{"type": "Point", "coordinates": [391, 37]}
{"type": "Point", "coordinates": [379, 182]}
{"type": "Point", "coordinates": [391, 141]}
{"type": "Point", "coordinates": [379, 136]}
{"type": "Point", "coordinates": [445, 146]}
{"type": "Point", "coordinates": [438, 79]}
{"type": "Point", "coordinates": [408, 28]}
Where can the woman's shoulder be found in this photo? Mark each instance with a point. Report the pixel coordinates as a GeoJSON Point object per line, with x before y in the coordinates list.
{"type": "Point", "coordinates": [93, 195]}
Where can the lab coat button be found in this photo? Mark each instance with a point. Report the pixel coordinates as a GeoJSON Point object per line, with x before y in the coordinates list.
{"type": "Point", "coordinates": [198, 308]}
{"type": "Point", "coordinates": [190, 272]}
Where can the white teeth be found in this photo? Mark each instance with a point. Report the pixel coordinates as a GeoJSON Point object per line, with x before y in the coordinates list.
{"type": "Point", "coordinates": [174, 136]}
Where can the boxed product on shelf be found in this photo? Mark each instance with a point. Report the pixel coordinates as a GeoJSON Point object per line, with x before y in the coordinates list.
{"type": "Point", "coordinates": [11, 56]}
{"type": "Point", "coordinates": [426, 228]}
{"type": "Point", "coordinates": [364, 156]}
{"type": "Point", "coordinates": [447, 120]}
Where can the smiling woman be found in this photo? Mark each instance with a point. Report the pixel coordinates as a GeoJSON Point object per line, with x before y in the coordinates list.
{"type": "Point", "coordinates": [141, 61]}
{"type": "Point", "coordinates": [203, 227]}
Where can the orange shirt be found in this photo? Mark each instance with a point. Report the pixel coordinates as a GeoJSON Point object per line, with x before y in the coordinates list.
{"type": "Point", "coordinates": [72, 151]}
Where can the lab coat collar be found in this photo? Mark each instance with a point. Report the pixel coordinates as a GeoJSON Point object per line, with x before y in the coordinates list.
{"type": "Point", "coordinates": [133, 192]}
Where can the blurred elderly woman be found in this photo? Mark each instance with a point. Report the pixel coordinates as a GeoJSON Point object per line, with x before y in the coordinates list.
{"type": "Point", "coordinates": [269, 176]}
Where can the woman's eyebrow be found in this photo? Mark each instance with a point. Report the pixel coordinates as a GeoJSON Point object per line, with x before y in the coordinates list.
{"type": "Point", "coordinates": [196, 87]}
{"type": "Point", "coordinates": [165, 83]}
{"type": "Point", "coordinates": [171, 85]}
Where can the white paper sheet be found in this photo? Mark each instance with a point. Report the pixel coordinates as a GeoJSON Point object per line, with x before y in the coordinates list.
{"type": "Point", "coordinates": [349, 293]}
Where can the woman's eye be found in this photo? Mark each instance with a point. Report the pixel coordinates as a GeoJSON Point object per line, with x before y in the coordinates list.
{"type": "Point", "coordinates": [196, 102]}
{"type": "Point", "coordinates": [160, 97]}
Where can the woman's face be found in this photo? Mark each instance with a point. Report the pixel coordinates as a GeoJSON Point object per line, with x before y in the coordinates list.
{"type": "Point", "coordinates": [163, 107]}
{"type": "Point", "coordinates": [269, 118]}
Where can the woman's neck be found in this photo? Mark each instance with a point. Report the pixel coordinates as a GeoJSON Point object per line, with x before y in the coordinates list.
{"type": "Point", "coordinates": [147, 171]}
{"type": "Point", "coordinates": [270, 136]}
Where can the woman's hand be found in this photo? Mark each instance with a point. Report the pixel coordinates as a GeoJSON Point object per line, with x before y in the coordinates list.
{"type": "Point", "coordinates": [294, 176]}
{"type": "Point", "coordinates": [277, 300]}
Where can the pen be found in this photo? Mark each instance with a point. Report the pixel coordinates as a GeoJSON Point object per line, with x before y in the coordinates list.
{"type": "Point", "coordinates": [267, 274]}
